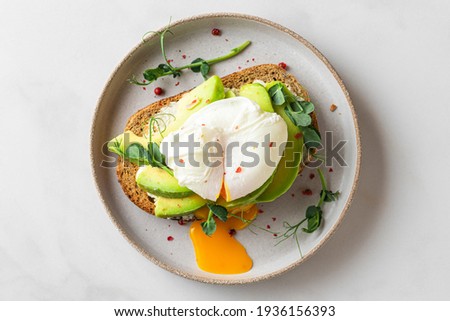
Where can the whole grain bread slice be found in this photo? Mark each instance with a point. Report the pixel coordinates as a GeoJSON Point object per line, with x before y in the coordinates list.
{"type": "Point", "coordinates": [126, 171]}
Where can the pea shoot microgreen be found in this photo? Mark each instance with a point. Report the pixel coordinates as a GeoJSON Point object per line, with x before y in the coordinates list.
{"type": "Point", "coordinates": [198, 65]}
{"type": "Point", "coordinates": [209, 226]}
{"type": "Point", "coordinates": [299, 112]}
{"type": "Point", "coordinates": [137, 154]}
{"type": "Point", "coordinates": [313, 215]}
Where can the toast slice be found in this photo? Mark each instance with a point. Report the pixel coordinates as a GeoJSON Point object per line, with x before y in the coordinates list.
{"type": "Point", "coordinates": [126, 171]}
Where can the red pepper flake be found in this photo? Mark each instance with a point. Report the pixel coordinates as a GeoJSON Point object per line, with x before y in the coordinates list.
{"type": "Point", "coordinates": [274, 219]}
{"type": "Point", "coordinates": [298, 136]}
{"type": "Point", "coordinates": [275, 234]}
{"type": "Point", "coordinates": [181, 161]}
{"type": "Point", "coordinates": [169, 60]}
{"type": "Point", "coordinates": [260, 211]}
{"type": "Point", "coordinates": [203, 125]}
{"type": "Point", "coordinates": [248, 60]}
{"type": "Point", "coordinates": [216, 32]}
{"type": "Point", "coordinates": [158, 91]}
{"type": "Point", "coordinates": [271, 144]}
{"type": "Point", "coordinates": [170, 238]}
{"type": "Point", "coordinates": [181, 221]}
{"type": "Point", "coordinates": [144, 81]}
{"type": "Point", "coordinates": [144, 88]}
{"type": "Point", "coordinates": [293, 195]}
{"type": "Point", "coordinates": [253, 59]}
{"type": "Point", "coordinates": [282, 65]}
{"type": "Point", "coordinates": [307, 192]}
{"type": "Point", "coordinates": [239, 169]}
{"type": "Point", "coordinates": [232, 232]}
{"type": "Point", "coordinates": [331, 169]}
{"type": "Point", "coordinates": [333, 107]}
{"type": "Point", "coordinates": [239, 67]}
{"type": "Point", "coordinates": [194, 101]}
{"type": "Point", "coordinates": [207, 101]}
{"type": "Point", "coordinates": [183, 56]}
{"type": "Point", "coordinates": [177, 83]}
{"type": "Point", "coordinates": [311, 176]}
{"type": "Point", "coordinates": [268, 226]}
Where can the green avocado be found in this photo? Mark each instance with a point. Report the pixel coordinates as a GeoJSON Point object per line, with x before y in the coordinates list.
{"type": "Point", "coordinates": [170, 207]}
{"type": "Point", "coordinates": [258, 94]}
{"type": "Point", "coordinates": [157, 181]}
{"type": "Point", "coordinates": [289, 165]}
{"type": "Point", "coordinates": [229, 94]}
{"type": "Point", "coordinates": [247, 199]}
{"type": "Point", "coordinates": [202, 95]}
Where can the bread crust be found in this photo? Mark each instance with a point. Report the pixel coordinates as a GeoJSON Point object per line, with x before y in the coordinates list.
{"type": "Point", "coordinates": [126, 171]}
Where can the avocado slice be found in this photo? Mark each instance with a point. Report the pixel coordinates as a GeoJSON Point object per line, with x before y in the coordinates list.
{"type": "Point", "coordinates": [202, 95]}
{"type": "Point", "coordinates": [157, 181]}
{"type": "Point", "coordinates": [229, 94]}
{"type": "Point", "coordinates": [289, 165]}
{"type": "Point", "coordinates": [258, 94]}
{"type": "Point", "coordinates": [170, 207]}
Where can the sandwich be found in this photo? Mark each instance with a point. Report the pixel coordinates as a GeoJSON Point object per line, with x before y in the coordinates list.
{"type": "Point", "coordinates": [260, 104]}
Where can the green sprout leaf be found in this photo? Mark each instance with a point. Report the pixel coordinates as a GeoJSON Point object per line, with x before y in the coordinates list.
{"type": "Point", "coordinates": [152, 74]}
{"type": "Point", "coordinates": [156, 158]}
{"type": "Point", "coordinates": [164, 67]}
{"type": "Point", "coordinates": [298, 118]}
{"type": "Point", "coordinates": [314, 216]}
{"type": "Point", "coordinates": [219, 211]}
{"type": "Point", "coordinates": [204, 70]}
{"type": "Point", "coordinates": [308, 107]}
{"type": "Point", "coordinates": [209, 226]}
{"type": "Point", "coordinates": [195, 62]}
{"type": "Point", "coordinates": [296, 106]}
{"type": "Point", "coordinates": [277, 95]}
{"type": "Point", "coordinates": [311, 137]}
{"type": "Point", "coordinates": [136, 154]}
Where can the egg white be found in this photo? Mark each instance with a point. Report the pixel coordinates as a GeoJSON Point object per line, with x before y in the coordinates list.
{"type": "Point", "coordinates": [228, 122]}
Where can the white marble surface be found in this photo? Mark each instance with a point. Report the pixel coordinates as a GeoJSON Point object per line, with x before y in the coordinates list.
{"type": "Point", "coordinates": [56, 240]}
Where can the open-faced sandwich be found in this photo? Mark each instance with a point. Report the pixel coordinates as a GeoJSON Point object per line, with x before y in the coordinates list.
{"type": "Point", "coordinates": [208, 156]}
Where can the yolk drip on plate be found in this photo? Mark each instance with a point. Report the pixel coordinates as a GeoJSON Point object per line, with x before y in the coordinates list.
{"type": "Point", "coordinates": [221, 253]}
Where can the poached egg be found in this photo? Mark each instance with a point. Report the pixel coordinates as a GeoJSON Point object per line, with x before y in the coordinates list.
{"type": "Point", "coordinates": [229, 148]}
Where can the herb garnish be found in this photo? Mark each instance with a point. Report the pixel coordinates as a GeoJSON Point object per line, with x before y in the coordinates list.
{"type": "Point", "coordinates": [298, 110]}
{"type": "Point", "coordinates": [209, 226]}
{"type": "Point", "coordinates": [313, 215]}
{"type": "Point", "coordinates": [198, 65]}
{"type": "Point", "coordinates": [138, 154]}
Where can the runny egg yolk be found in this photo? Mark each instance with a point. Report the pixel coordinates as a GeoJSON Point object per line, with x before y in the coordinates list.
{"type": "Point", "coordinates": [221, 253]}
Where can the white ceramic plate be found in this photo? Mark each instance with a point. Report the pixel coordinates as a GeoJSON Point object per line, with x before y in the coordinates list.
{"type": "Point", "coordinates": [271, 43]}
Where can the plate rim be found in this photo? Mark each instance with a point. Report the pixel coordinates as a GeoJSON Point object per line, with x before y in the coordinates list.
{"type": "Point", "coordinates": [341, 216]}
